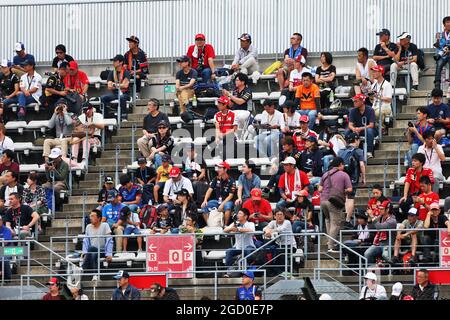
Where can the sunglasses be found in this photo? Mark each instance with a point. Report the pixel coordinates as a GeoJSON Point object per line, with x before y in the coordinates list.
{"type": "Point", "coordinates": [162, 127]}
{"type": "Point", "coordinates": [59, 52]}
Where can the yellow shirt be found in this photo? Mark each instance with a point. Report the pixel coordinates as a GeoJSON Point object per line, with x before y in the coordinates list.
{"type": "Point", "coordinates": [164, 173]}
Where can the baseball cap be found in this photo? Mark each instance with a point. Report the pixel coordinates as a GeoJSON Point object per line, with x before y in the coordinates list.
{"type": "Point", "coordinates": [311, 138]}
{"type": "Point", "coordinates": [223, 164]}
{"type": "Point", "coordinates": [111, 195]}
{"type": "Point", "coordinates": [289, 160]}
{"type": "Point", "coordinates": [304, 119]}
{"type": "Point", "coordinates": [182, 192]}
{"type": "Point", "coordinates": [109, 179]}
{"type": "Point", "coordinates": [359, 96]}
{"type": "Point", "coordinates": [174, 172]}
{"type": "Point", "coordinates": [162, 207]}
{"type": "Point", "coordinates": [397, 289]}
{"type": "Point", "coordinates": [300, 59]}
{"type": "Point", "coordinates": [5, 63]}
{"type": "Point", "coordinates": [224, 100]}
{"type": "Point", "coordinates": [200, 36]}
{"type": "Point", "coordinates": [118, 57]}
{"type": "Point", "coordinates": [245, 37]}
{"type": "Point", "coordinates": [378, 68]}
{"type": "Point", "coordinates": [19, 46]}
{"type": "Point", "coordinates": [435, 205]}
{"type": "Point", "coordinates": [183, 59]}
{"type": "Point", "coordinates": [165, 158]}
{"type": "Point", "coordinates": [121, 274]}
{"type": "Point", "coordinates": [125, 211]}
{"type": "Point", "coordinates": [256, 194]}
{"type": "Point", "coordinates": [325, 296]}
{"type": "Point", "coordinates": [52, 281]}
{"type": "Point", "coordinates": [362, 215]}
{"type": "Point", "coordinates": [163, 123]}
{"type": "Point", "coordinates": [73, 65]}
{"type": "Point", "coordinates": [55, 153]}
{"type": "Point", "coordinates": [133, 39]}
{"type": "Point", "coordinates": [384, 204]}
{"type": "Point", "coordinates": [353, 136]}
{"type": "Point", "coordinates": [141, 160]}
{"type": "Point", "coordinates": [384, 31]}
{"type": "Point", "coordinates": [249, 274]}
{"type": "Point", "coordinates": [404, 35]}
{"type": "Point", "coordinates": [413, 212]}
{"type": "Point", "coordinates": [370, 276]}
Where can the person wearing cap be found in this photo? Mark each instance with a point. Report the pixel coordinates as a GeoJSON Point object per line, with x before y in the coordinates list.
{"type": "Point", "coordinates": [241, 96]}
{"type": "Point", "coordinates": [372, 290]}
{"type": "Point", "coordinates": [161, 144]}
{"type": "Point", "coordinates": [175, 184]}
{"type": "Point", "coordinates": [9, 87]}
{"type": "Point", "coordinates": [53, 287]}
{"type": "Point", "coordinates": [425, 198]}
{"type": "Point", "coordinates": [164, 222]}
{"type": "Point", "coordinates": [30, 88]}
{"type": "Point", "coordinates": [412, 237]}
{"type": "Point", "coordinates": [290, 181]}
{"type": "Point", "coordinates": [364, 78]}
{"type": "Point", "coordinates": [267, 142]}
{"type": "Point", "coordinates": [246, 58]}
{"type": "Point", "coordinates": [62, 122]}
{"type": "Point", "coordinates": [303, 212]}
{"type": "Point", "coordinates": [118, 79]}
{"type": "Point", "coordinates": [202, 57]}
{"type": "Point", "coordinates": [60, 170]}
{"type": "Point", "coordinates": [291, 117]}
{"type": "Point", "coordinates": [158, 292]}
{"type": "Point", "coordinates": [145, 177]}
{"type": "Point", "coordinates": [220, 193]}
{"type": "Point", "coordinates": [248, 290]}
{"type": "Point", "coordinates": [124, 290]}
{"type": "Point", "coordinates": [296, 77]}
{"type": "Point", "coordinates": [302, 133]}
{"type": "Point", "coordinates": [185, 216]}
{"type": "Point", "coordinates": [361, 239]}
{"type": "Point", "coordinates": [325, 79]}
{"type": "Point", "coordinates": [130, 194]}
{"type": "Point", "coordinates": [434, 220]}
{"type": "Point", "coordinates": [307, 98]}
{"type": "Point", "coordinates": [20, 57]}
{"type": "Point", "coordinates": [442, 55]}
{"type": "Point", "coordinates": [131, 224]}
{"type": "Point", "coordinates": [260, 210]}
{"type": "Point", "coordinates": [77, 85]}
{"type": "Point", "coordinates": [385, 220]}
{"type": "Point", "coordinates": [290, 54]}
{"type": "Point", "coordinates": [111, 215]}
{"type": "Point", "coordinates": [162, 175]}
{"type": "Point", "coordinates": [61, 56]}
{"type": "Point", "coordinates": [406, 51]}
{"type": "Point", "coordinates": [356, 125]}
{"type": "Point", "coordinates": [108, 185]}
{"type": "Point", "coordinates": [385, 51]}
{"type": "Point", "coordinates": [381, 95]}
{"type": "Point", "coordinates": [397, 292]}
{"type": "Point", "coordinates": [5, 235]}
{"type": "Point", "coordinates": [247, 181]}
{"type": "Point", "coordinates": [185, 80]}
{"type": "Point", "coordinates": [310, 161]}
{"type": "Point", "coordinates": [55, 92]}
{"type": "Point", "coordinates": [226, 126]}
{"type": "Point", "coordinates": [424, 289]}
{"type": "Point", "coordinates": [138, 58]}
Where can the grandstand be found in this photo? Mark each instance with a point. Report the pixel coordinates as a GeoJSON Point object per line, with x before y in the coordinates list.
{"type": "Point", "coordinates": [56, 249]}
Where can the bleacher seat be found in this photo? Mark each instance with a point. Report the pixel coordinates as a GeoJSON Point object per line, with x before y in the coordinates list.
{"type": "Point", "coordinates": [111, 123]}
{"type": "Point", "coordinates": [16, 125]}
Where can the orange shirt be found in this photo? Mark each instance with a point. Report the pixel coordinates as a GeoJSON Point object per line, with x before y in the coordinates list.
{"type": "Point", "coordinates": [307, 96]}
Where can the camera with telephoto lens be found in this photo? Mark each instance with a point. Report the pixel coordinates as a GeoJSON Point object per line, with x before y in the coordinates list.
{"type": "Point", "coordinates": [50, 162]}
{"type": "Point", "coordinates": [442, 53]}
{"type": "Point", "coordinates": [410, 124]}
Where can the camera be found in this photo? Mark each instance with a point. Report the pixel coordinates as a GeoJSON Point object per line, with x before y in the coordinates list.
{"type": "Point", "coordinates": [442, 53]}
{"type": "Point", "coordinates": [410, 124]}
{"type": "Point", "coordinates": [50, 162]}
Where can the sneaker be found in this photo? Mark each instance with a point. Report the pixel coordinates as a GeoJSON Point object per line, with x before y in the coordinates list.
{"type": "Point", "coordinates": [21, 114]}
{"type": "Point", "coordinates": [83, 164]}
{"type": "Point", "coordinates": [226, 275]}
{"type": "Point", "coordinates": [395, 260]}
{"type": "Point", "coordinates": [333, 251]}
{"type": "Point", "coordinates": [415, 88]}
{"type": "Point", "coordinates": [369, 155]}
{"type": "Point", "coordinates": [95, 278]}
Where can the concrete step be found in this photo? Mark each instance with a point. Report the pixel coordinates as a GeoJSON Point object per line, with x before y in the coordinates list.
{"type": "Point", "coordinates": [61, 222]}
{"type": "Point", "coordinates": [80, 199]}
{"type": "Point", "coordinates": [397, 131]}
{"type": "Point", "coordinates": [57, 231]}
{"type": "Point", "coordinates": [388, 146]}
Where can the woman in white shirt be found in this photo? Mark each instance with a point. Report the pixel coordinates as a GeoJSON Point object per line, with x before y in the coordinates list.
{"type": "Point", "coordinates": [291, 117]}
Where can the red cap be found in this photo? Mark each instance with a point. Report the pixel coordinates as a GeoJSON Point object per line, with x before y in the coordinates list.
{"type": "Point", "coordinates": [378, 68]}
{"type": "Point", "coordinates": [359, 96]}
{"type": "Point", "coordinates": [224, 100]}
{"type": "Point", "coordinates": [52, 281]}
{"type": "Point", "coordinates": [384, 204]}
{"type": "Point", "coordinates": [300, 59]}
{"type": "Point", "coordinates": [256, 194]}
{"type": "Point", "coordinates": [408, 298]}
{"type": "Point", "coordinates": [73, 65]}
{"type": "Point", "coordinates": [223, 164]}
{"type": "Point", "coordinates": [200, 36]}
{"type": "Point", "coordinates": [304, 118]}
{"type": "Point", "coordinates": [174, 172]}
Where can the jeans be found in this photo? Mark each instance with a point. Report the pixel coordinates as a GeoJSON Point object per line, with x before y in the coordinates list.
{"type": "Point", "coordinates": [232, 252]}
{"type": "Point", "coordinates": [312, 114]}
{"type": "Point", "coordinates": [215, 204]}
{"type": "Point", "coordinates": [298, 226]}
{"type": "Point", "coordinates": [206, 74]}
{"type": "Point", "coordinates": [157, 160]}
{"type": "Point", "coordinates": [124, 97]}
{"type": "Point", "coordinates": [282, 204]}
{"type": "Point", "coordinates": [13, 100]}
{"type": "Point", "coordinates": [410, 153]}
{"type": "Point", "coordinates": [90, 263]}
{"type": "Point", "coordinates": [326, 162]}
{"type": "Point", "coordinates": [440, 64]}
{"type": "Point", "coordinates": [24, 100]}
{"type": "Point", "coordinates": [131, 230]}
{"type": "Point", "coordinates": [133, 207]}
{"type": "Point", "coordinates": [373, 252]}
{"type": "Point", "coordinates": [369, 139]}
{"type": "Point", "coordinates": [5, 268]}
{"type": "Point", "coordinates": [267, 143]}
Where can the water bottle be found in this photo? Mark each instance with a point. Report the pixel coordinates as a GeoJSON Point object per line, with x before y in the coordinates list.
{"type": "Point", "coordinates": [332, 96]}
{"type": "Point", "coordinates": [220, 201]}
{"type": "Point", "coordinates": [194, 101]}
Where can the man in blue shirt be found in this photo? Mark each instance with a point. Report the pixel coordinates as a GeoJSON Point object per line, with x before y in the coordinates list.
{"type": "Point", "coordinates": [111, 215]}
{"type": "Point", "coordinates": [21, 57]}
{"type": "Point", "coordinates": [247, 181]}
{"type": "Point", "coordinates": [5, 234]}
{"type": "Point", "coordinates": [124, 290]}
{"type": "Point", "coordinates": [438, 114]}
{"type": "Point", "coordinates": [415, 134]}
{"type": "Point", "coordinates": [356, 121]}
{"type": "Point", "coordinates": [248, 290]}
{"type": "Point", "coordinates": [130, 193]}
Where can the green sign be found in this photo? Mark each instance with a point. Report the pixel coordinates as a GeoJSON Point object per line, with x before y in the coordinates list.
{"type": "Point", "coordinates": [170, 89]}
{"type": "Point", "coordinates": [12, 251]}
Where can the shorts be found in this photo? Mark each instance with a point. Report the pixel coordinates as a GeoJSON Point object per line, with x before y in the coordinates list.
{"type": "Point", "coordinates": [353, 193]}
{"type": "Point", "coordinates": [131, 230]}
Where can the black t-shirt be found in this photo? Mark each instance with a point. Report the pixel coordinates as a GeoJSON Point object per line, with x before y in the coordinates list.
{"type": "Point", "coordinates": [186, 78]}
{"type": "Point", "coordinates": [23, 213]}
{"type": "Point", "coordinates": [166, 141]}
{"type": "Point", "coordinates": [146, 175]}
{"type": "Point", "coordinates": [151, 123]}
{"type": "Point", "coordinates": [412, 51]}
{"type": "Point", "coordinates": [7, 84]}
{"type": "Point", "coordinates": [378, 51]}
{"type": "Point", "coordinates": [138, 59]}
{"type": "Point", "coordinates": [245, 94]}
{"type": "Point", "coordinates": [57, 62]}
{"type": "Point", "coordinates": [442, 219]}
{"type": "Point", "coordinates": [325, 73]}
{"type": "Point", "coordinates": [120, 78]}
{"type": "Point", "coordinates": [222, 188]}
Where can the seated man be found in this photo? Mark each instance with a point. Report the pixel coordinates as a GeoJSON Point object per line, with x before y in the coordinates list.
{"type": "Point", "coordinates": [194, 166]}
{"type": "Point", "coordinates": [20, 57]}
{"type": "Point", "coordinates": [61, 121]}
{"type": "Point", "coordinates": [241, 96]}
{"type": "Point", "coordinates": [136, 57]}
{"type": "Point", "coordinates": [300, 135]}
{"type": "Point", "coordinates": [247, 181]}
{"type": "Point", "coordinates": [220, 193]}
{"type": "Point", "coordinates": [118, 80]}
{"type": "Point", "coordinates": [412, 237]}
{"type": "Point", "coordinates": [355, 118]}
{"type": "Point", "coordinates": [5, 235]}
{"type": "Point", "coordinates": [290, 54]}
{"type": "Point", "coordinates": [161, 144]}
{"type": "Point", "coordinates": [426, 197]}
{"type": "Point", "coordinates": [9, 87]}
{"type": "Point", "coordinates": [131, 224]}
{"type": "Point", "coordinates": [130, 193]}
{"type": "Point", "coordinates": [424, 289]}
{"type": "Point", "coordinates": [260, 210]}
{"type": "Point", "coordinates": [20, 218]}
{"type": "Point", "coordinates": [186, 78]}
{"type": "Point", "coordinates": [442, 55]}
{"type": "Point", "coordinates": [61, 56]}
{"type": "Point", "coordinates": [434, 154]}
{"type": "Point", "coordinates": [311, 162]}
{"type": "Point", "coordinates": [307, 97]}
{"type": "Point", "coordinates": [145, 177]}
{"type": "Point", "coordinates": [175, 184]}
{"type": "Point", "coordinates": [270, 132]}
{"type": "Point", "coordinates": [295, 78]}
{"type": "Point", "coordinates": [226, 127]}
{"type": "Point", "coordinates": [77, 85]}
{"type": "Point", "coordinates": [434, 220]}
{"type": "Point", "coordinates": [385, 51]}
{"type": "Point", "coordinates": [377, 199]}
{"type": "Point", "coordinates": [362, 238]}
{"type": "Point", "coordinates": [55, 92]}
{"type": "Point", "coordinates": [415, 133]}
{"type": "Point", "coordinates": [12, 185]}
{"type": "Point", "coordinates": [381, 95]}
{"type": "Point", "coordinates": [30, 88]}
{"type": "Point", "coordinates": [246, 58]}
{"type": "Point", "coordinates": [111, 215]}
{"type": "Point", "coordinates": [364, 78]}
{"type": "Point", "coordinates": [202, 56]}
{"type": "Point", "coordinates": [58, 170]}
{"type": "Point", "coordinates": [7, 163]}
{"type": "Point", "coordinates": [291, 118]}
{"type": "Point", "coordinates": [406, 57]}
{"type": "Point", "coordinates": [438, 114]}
{"type": "Point", "coordinates": [244, 242]}
{"type": "Point", "coordinates": [92, 245]}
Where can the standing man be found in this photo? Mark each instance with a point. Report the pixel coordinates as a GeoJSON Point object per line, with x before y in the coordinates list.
{"type": "Point", "coordinates": [246, 58]}
{"type": "Point", "coordinates": [406, 51]}
{"type": "Point", "coordinates": [184, 83]}
{"type": "Point", "coordinates": [248, 290]}
{"type": "Point", "coordinates": [202, 56]}
{"type": "Point", "coordinates": [290, 54]}
{"type": "Point", "coordinates": [356, 125]}
{"type": "Point", "coordinates": [136, 57]}
{"type": "Point", "coordinates": [30, 87]}
{"type": "Point", "coordinates": [20, 57]}
{"type": "Point", "coordinates": [124, 290]}
{"type": "Point", "coordinates": [385, 51]}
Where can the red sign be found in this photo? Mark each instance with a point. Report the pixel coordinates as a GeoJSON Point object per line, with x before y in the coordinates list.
{"type": "Point", "coordinates": [145, 281]}
{"type": "Point", "coordinates": [445, 249]}
{"type": "Point", "coordinates": [166, 253]}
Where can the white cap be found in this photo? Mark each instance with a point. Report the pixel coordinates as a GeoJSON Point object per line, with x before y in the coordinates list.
{"type": "Point", "coordinates": [5, 63]}
{"type": "Point", "coordinates": [404, 35]}
{"type": "Point", "coordinates": [55, 153]}
{"type": "Point", "coordinates": [289, 160]}
{"type": "Point", "coordinates": [371, 276]}
{"type": "Point", "coordinates": [412, 212]}
{"type": "Point", "coordinates": [397, 289]}
{"type": "Point", "coordinates": [19, 46]}
{"type": "Point", "coordinates": [325, 296]}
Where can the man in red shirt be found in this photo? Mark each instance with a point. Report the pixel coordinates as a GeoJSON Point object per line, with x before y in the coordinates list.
{"type": "Point", "coordinates": [202, 56]}
{"type": "Point", "coordinates": [259, 208]}
{"type": "Point", "coordinates": [412, 183]}
{"type": "Point", "coordinates": [291, 180]}
{"type": "Point", "coordinates": [304, 132]}
{"type": "Point", "coordinates": [77, 84]}
{"type": "Point", "coordinates": [226, 126]}
{"type": "Point", "coordinates": [53, 293]}
{"type": "Point", "coordinates": [377, 199]}
{"type": "Point", "coordinates": [423, 202]}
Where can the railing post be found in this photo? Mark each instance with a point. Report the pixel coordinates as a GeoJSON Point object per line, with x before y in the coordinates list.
{"type": "Point", "coordinates": [285, 256]}
{"type": "Point", "coordinates": [52, 175]}
{"type": "Point", "coordinates": [28, 262]}
{"type": "Point", "coordinates": [117, 163]}
{"type": "Point", "coordinates": [399, 141]}
{"type": "Point", "coordinates": [70, 171]}
{"type": "Point", "coordinates": [119, 111]}
{"type": "Point", "coordinates": [101, 174]}
{"type": "Point", "coordinates": [166, 83]}
{"type": "Point", "coordinates": [67, 231]}
{"type": "Point", "coordinates": [408, 79]}
{"type": "Point", "coordinates": [51, 251]}
{"type": "Point", "coordinates": [364, 122]}
{"type": "Point", "coordinates": [133, 132]}
{"type": "Point", "coordinates": [102, 108]}
{"type": "Point", "coordinates": [386, 163]}
{"type": "Point", "coordinates": [86, 148]}
{"type": "Point", "coordinates": [84, 211]}
{"type": "Point", "coordinates": [215, 285]}
{"type": "Point", "coordinates": [134, 84]}
{"type": "Point", "coordinates": [380, 121]}
{"type": "Point", "coordinates": [3, 263]}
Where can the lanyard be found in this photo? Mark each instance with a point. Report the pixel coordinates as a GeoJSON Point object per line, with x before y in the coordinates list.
{"type": "Point", "coordinates": [426, 155]}
{"type": "Point", "coordinates": [29, 81]}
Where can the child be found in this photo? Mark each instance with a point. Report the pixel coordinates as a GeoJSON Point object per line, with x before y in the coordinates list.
{"type": "Point", "coordinates": [162, 176]}
{"type": "Point", "coordinates": [131, 223]}
{"type": "Point", "coordinates": [103, 193]}
{"type": "Point", "coordinates": [164, 222]}
{"type": "Point", "coordinates": [145, 177]}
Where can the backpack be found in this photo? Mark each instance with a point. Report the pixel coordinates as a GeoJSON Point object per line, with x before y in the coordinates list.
{"type": "Point", "coordinates": [148, 216]}
{"type": "Point", "coordinates": [350, 163]}
{"type": "Point", "coordinates": [207, 90]}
